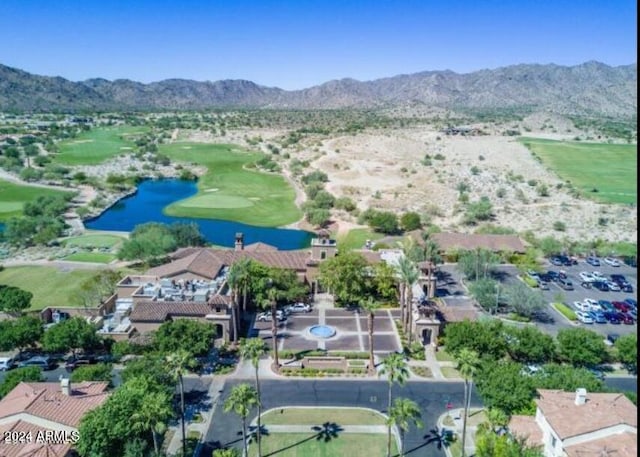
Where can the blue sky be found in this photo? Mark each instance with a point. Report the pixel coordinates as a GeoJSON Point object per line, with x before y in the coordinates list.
{"type": "Point", "coordinates": [296, 44]}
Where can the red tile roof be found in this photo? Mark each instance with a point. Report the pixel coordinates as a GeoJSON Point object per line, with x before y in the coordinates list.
{"type": "Point", "coordinates": [601, 410]}
{"type": "Point", "coordinates": [468, 241]}
{"type": "Point", "coordinates": [46, 400]}
{"type": "Point", "coordinates": [259, 246]}
{"type": "Point", "coordinates": [526, 427]}
{"type": "Point", "coordinates": [36, 447]}
{"type": "Point", "coordinates": [160, 311]}
{"type": "Point", "coordinates": [621, 445]}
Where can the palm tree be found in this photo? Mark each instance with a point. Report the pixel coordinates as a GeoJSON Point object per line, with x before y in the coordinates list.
{"type": "Point", "coordinates": [241, 400]}
{"type": "Point", "coordinates": [409, 274]}
{"type": "Point", "coordinates": [403, 413]}
{"type": "Point", "coordinates": [242, 278]}
{"type": "Point", "coordinates": [252, 349]}
{"type": "Point", "coordinates": [432, 257]}
{"type": "Point", "coordinates": [395, 367]}
{"type": "Point", "coordinates": [468, 362]}
{"type": "Point", "coordinates": [233, 282]}
{"type": "Point", "coordinates": [370, 306]}
{"type": "Point", "coordinates": [155, 410]}
{"type": "Point", "coordinates": [177, 364]}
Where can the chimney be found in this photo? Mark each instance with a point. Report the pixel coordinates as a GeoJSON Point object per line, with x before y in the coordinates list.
{"type": "Point", "coordinates": [581, 396]}
{"type": "Point", "coordinates": [239, 241]}
{"type": "Point", "coordinates": [65, 386]}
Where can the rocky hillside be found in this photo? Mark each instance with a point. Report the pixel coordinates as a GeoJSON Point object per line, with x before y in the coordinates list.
{"type": "Point", "coordinates": [591, 88]}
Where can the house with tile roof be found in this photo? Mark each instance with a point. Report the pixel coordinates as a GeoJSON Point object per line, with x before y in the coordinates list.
{"type": "Point", "coordinates": [41, 419]}
{"type": "Point", "coordinates": [580, 424]}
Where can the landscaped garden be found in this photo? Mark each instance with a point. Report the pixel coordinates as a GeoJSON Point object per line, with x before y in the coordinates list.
{"type": "Point", "coordinates": [601, 171]}
{"type": "Point", "coordinates": [97, 145]}
{"type": "Point", "coordinates": [232, 191]}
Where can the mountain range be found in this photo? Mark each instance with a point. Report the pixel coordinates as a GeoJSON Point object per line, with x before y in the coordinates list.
{"type": "Point", "coordinates": [591, 88]}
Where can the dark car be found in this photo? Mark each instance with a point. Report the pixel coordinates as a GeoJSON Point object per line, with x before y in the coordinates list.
{"type": "Point", "coordinates": [606, 305]}
{"type": "Point", "coordinates": [632, 261]}
{"type": "Point", "coordinates": [552, 274]}
{"type": "Point", "coordinates": [631, 302]}
{"type": "Point", "coordinates": [600, 285]}
{"type": "Point", "coordinates": [593, 261]}
{"type": "Point", "coordinates": [557, 261]}
{"type": "Point", "coordinates": [627, 319]}
{"type": "Point", "coordinates": [612, 337]}
{"type": "Point", "coordinates": [612, 317]}
{"type": "Point", "coordinates": [74, 362]}
{"type": "Point", "coordinates": [565, 284]}
{"type": "Point", "coordinates": [43, 362]}
{"type": "Point", "coordinates": [620, 306]}
{"type": "Point", "coordinates": [622, 282]}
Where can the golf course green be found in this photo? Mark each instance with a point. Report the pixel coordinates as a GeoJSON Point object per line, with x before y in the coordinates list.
{"type": "Point", "coordinates": [97, 145]}
{"type": "Point", "coordinates": [229, 190]}
{"type": "Point", "coordinates": [14, 196]}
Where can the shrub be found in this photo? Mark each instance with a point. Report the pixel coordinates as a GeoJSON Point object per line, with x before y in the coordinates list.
{"type": "Point", "coordinates": [410, 221]}
{"type": "Point", "coordinates": [501, 192]}
{"type": "Point", "coordinates": [559, 226]}
{"type": "Point", "coordinates": [475, 170]}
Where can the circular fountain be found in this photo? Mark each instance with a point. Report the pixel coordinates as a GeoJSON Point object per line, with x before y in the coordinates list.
{"type": "Point", "coordinates": [322, 331]}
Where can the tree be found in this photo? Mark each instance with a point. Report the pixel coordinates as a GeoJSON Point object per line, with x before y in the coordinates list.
{"type": "Point", "coordinates": [529, 345]}
{"type": "Point", "coordinates": [318, 217]}
{"type": "Point", "coordinates": [177, 365]}
{"type": "Point", "coordinates": [241, 400]}
{"type": "Point", "coordinates": [403, 413]}
{"type": "Point", "coordinates": [468, 362]}
{"type": "Point", "coordinates": [384, 222]}
{"type": "Point", "coordinates": [97, 372]}
{"type": "Point", "coordinates": [15, 377]}
{"type": "Point", "coordinates": [148, 241]}
{"type": "Point", "coordinates": [14, 300]}
{"type": "Point", "coordinates": [627, 347]}
{"type": "Point", "coordinates": [483, 337]}
{"type": "Point", "coordinates": [187, 234]}
{"type": "Point", "coordinates": [242, 270]}
{"type": "Point", "coordinates": [490, 444]}
{"type": "Point", "coordinates": [408, 273]}
{"type": "Point", "coordinates": [410, 221]}
{"type": "Point", "coordinates": [253, 349]}
{"type": "Point", "coordinates": [345, 276]}
{"type": "Point", "coordinates": [71, 335]}
{"type": "Point", "coordinates": [370, 306]}
{"type": "Point", "coordinates": [485, 291]}
{"type": "Point", "coordinates": [21, 333]}
{"type": "Point", "coordinates": [502, 385]}
{"type": "Point", "coordinates": [581, 347]}
{"type": "Point", "coordinates": [394, 366]}
{"type": "Point", "coordinates": [477, 211]}
{"type": "Point", "coordinates": [151, 367]}
{"type": "Point", "coordinates": [476, 264]}
{"type": "Point", "coordinates": [567, 378]}
{"type": "Point", "coordinates": [192, 336]}
{"type": "Point", "coordinates": [155, 410]}
{"type": "Point", "coordinates": [523, 300]}
{"type": "Point", "coordinates": [95, 289]}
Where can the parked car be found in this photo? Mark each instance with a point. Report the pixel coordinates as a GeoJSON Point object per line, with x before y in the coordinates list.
{"type": "Point", "coordinates": [620, 306]}
{"type": "Point", "coordinates": [598, 276]}
{"type": "Point", "coordinates": [43, 362]}
{"type": "Point", "coordinates": [7, 363]}
{"type": "Point", "coordinates": [583, 317]}
{"type": "Point", "coordinates": [612, 317]}
{"type": "Point", "coordinates": [631, 302]}
{"type": "Point", "coordinates": [622, 282]}
{"type": "Point", "coordinates": [602, 286]}
{"type": "Point", "coordinates": [632, 261]}
{"type": "Point", "coordinates": [593, 261]}
{"type": "Point", "coordinates": [552, 274]}
{"type": "Point", "coordinates": [613, 287]}
{"type": "Point", "coordinates": [598, 317]}
{"type": "Point", "coordinates": [611, 261]}
{"type": "Point", "coordinates": [580, 306]}
{"type": "Point", "coordinates": [627, 319]}
{"type": "Point", "coordinates": [533, 274]}
{"type": "Point", "coordinates": [592, 304]}
{"type": "Point", "coordinates": [606, 305]}
{"type": "Point", "coordinates": [298, 308]}
{"type": "Point", "coordinates": [612, 337]}
{"type": "Point", "coordinates": [557, 261]}
{"type": "Point", "coordinates": [74, 362]}
{"type": "Point", "coordinates": [266, 316]}
{"type": "Point", "coordinates": [586, 276]}
{"type": "Point", "coordinates": [565, 284]}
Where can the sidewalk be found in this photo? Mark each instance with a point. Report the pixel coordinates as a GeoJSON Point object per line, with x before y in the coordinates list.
{"type": "Point", "coordinates": [456, 428]}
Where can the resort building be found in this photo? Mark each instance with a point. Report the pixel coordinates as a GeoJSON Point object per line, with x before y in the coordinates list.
{"type": "Point", "coordinates": [580, 424]}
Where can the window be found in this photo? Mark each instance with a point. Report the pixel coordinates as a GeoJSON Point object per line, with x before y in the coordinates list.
{"type": "Point", "coordinates": [323, 255]}
{"type": "Point", "coordinates": [553, 441]}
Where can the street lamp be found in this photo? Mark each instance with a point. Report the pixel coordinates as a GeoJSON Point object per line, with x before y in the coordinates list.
{"type": "Point", "coordinates": [497, 298]}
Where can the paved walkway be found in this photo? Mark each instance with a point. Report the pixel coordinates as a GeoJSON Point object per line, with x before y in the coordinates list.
{"type": "Point", "coordinates": [456, 416]}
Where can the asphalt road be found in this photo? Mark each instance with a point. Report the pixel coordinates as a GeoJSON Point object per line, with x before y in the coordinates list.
{"type": "Point", "coordinates": [431, 396]}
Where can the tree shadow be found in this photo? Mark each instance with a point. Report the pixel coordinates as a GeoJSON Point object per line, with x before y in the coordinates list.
{"type": "Point", "coordinates": [441, 438]}
{"type": "Point", "coordinates": [325, 432]}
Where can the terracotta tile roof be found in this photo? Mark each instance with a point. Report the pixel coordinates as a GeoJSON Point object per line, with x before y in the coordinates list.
{"type": "Point", "coordinates": [526, 427]}
{"type": "Point", "coordinates": [220, 300]}
{"type": "Point", "coordinates": [160, 311]}
{"type": "Point", "coordinates": [46, 400]}
{"type": "Point", "coordinates": [259, 246]}
{"type": "Point", "coordinates": [33, 448]}
{"type": "Point", "coordinates": [207, 262]}
{"type": "Point", "coordinates": [601, 410]}
{"type": "Point", "coordinates": [371, 256]}
{"type": "Point", "coordinates": [467, 241]}
{"type": "Point", "coordinates": [457, 312]}
{"type": "Point", "coordinates": [621, 445]}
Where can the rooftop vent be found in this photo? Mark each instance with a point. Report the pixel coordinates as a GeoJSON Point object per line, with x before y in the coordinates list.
{"type": "Point", "coordinates": [581, 396]}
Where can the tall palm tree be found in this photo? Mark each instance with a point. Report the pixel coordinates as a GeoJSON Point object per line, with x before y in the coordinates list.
{"type": "Point", "coordinates": [432, 257]}
{"type": "Point", "coordinates": [241, 400]}
{"type": "Point", "coordinates": [403, 413]}
{"type": "Point", "coordinates": [242, 274]}
{"type": "Point", "coordinates": [370, 306]}
{"type": "Point", "coordinates": [155, 410]}
{"type": "Point", "coordinates": [233, 281]}
{"type": "Point", "coordinates": [253, 349]}
{"type": "Point", "coordinates": [177, 364]}
{"type": "Point", "coordinates": [394, 366]}
{"type": "Point", "coordinates": [409, 274]}
{"type": "Point", "coordinates": [468, 362]}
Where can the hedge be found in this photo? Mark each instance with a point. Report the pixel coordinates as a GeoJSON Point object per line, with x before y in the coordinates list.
{"type": "Point", "coordinates": [565, 311]}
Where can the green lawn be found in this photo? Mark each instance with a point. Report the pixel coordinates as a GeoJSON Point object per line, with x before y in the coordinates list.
{"type": "Point", "coordinates": [356, 238]}
{"type": "Point", "coordinates": [307, 445]}
{"type": "Point", "coordinates": [449, 372]}
{"type": "Point", "coordinates": [94, 257]}
{"type": "Point", "coordinates": [443, 356]}
{"type": "Point", "coordinates": [307, 416]}
{"type": "Point", "coordinates": [95, 241]}
{"type": "Point", "coordinates": [609, 168]}
{"type": "Point", "coordinates": [97, 145]}
{"type": "Point", "coordinates": [14, 196]}
{"type": "Point", "coordinates": [228, 191]}
{"type": "Point", "coordinates": [49, 285]}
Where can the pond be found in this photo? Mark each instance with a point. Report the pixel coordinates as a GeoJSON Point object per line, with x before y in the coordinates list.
{"type": "Point", "coordinates": [147, 204]}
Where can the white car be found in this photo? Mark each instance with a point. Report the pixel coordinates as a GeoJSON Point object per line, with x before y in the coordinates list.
{"type": "Point", "coordinates": [584, 317]}
{"type": "Point", "coordinates": [585, 276]}
{"type": "Point", "coordinates": [597, 276]}
{"type": "Point", "coordinates": [298, 308]}
{"type": "Point", "coordinates": [592, 304]}
{"type": "Point", "coordinates": [266, 316]}
{"type": "Point", "coordinates": [613, 287]}
{"type": "Point", "coordinates": [584, 307]}
{"type": "Point", "coordinates": [611, 261]}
